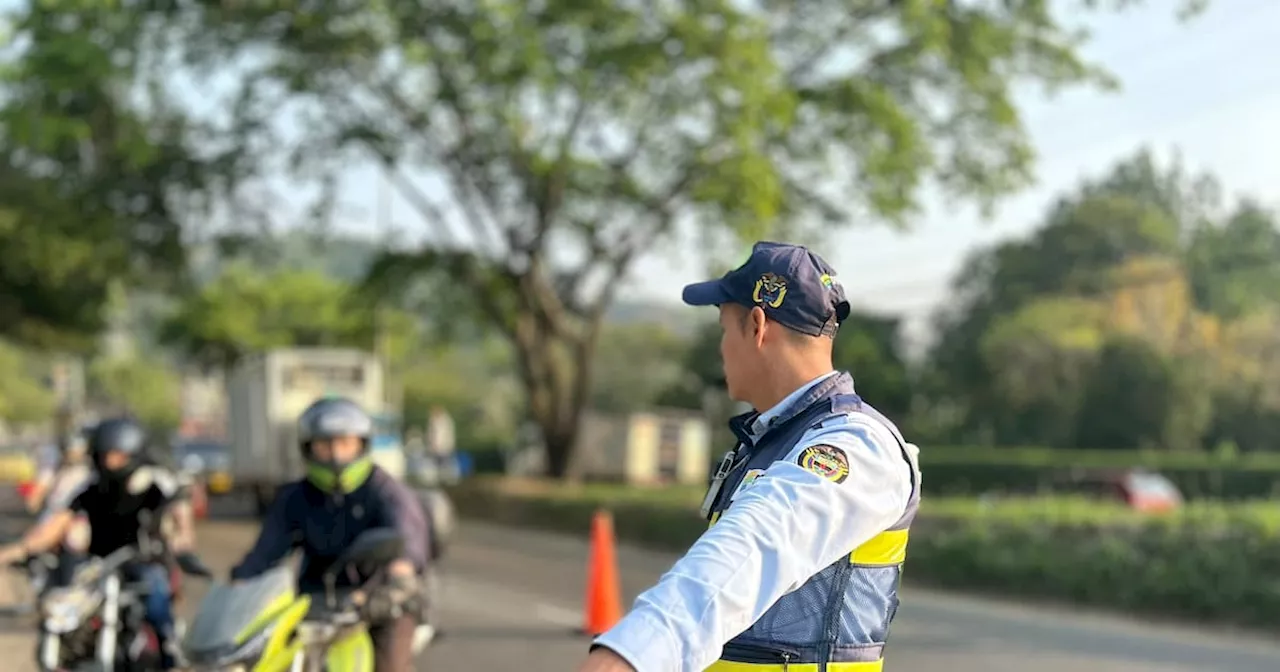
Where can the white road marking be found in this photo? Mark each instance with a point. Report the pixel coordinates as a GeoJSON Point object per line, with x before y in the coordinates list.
{"type": "Point", "coordinates": [501, 603]}
{"type": "Point", "coordinates": [569, 618]}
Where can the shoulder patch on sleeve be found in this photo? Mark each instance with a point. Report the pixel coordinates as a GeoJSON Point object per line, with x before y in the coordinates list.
{"type": "Point", "coordinates": [826, 461]}
{"type": "Point", "coordinates": [751, 477]}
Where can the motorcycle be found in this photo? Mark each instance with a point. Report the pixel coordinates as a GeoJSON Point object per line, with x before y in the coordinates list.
{"type": "Point", "coordinates": [428, 479]}
{"type": "Point", "coordinates": [96, 619]}
{"type": "Point", "coordinates": [31, 577]}
{"type": "Point", "coordinates": [440, 515]}
{"type": "Point", "coordinates": [264, 625]}
{"type": "Point", "coordinates": [26, 581]}
{"type": "Point", "coordinates": [96, 622]}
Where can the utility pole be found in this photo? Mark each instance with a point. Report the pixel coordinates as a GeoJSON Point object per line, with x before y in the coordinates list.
{"type": "Point", "coordinates": [393, 394]}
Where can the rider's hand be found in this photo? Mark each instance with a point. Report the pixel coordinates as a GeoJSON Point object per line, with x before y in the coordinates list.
{"type": "Point", "coordinates": [12, 553]}
{"type": "Point", "coordinates": [382, 603]}
{"type": "Point", "coordinates": [605, 660]}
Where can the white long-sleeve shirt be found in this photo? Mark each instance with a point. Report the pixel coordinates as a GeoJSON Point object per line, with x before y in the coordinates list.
{"type": "Point", "coordinates": [781, 529]}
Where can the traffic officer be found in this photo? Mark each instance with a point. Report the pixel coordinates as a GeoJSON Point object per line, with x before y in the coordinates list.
{"type": "Point", "coordinates": [808, 516]}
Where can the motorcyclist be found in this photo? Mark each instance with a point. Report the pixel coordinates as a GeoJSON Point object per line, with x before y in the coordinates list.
{"type": "Point", "coordinates": [343, 495]}
{"type": "Point", "coordinates": [69, 477]}
{"type": "Point", "coordinates": [55, 492]}
{"type": "Point", "coordinates": [126, 498]}
{"type": "Point", "coordinates": [48, 459]}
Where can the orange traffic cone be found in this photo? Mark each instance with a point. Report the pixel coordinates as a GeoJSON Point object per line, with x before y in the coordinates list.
{"type": "Point", "coordinates": [604, 593]}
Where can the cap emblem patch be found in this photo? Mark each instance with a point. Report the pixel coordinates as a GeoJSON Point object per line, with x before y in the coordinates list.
{"type": "Point", "coordinates": [770, 290]}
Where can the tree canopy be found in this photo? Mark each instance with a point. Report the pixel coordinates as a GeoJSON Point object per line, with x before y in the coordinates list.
{"type": "Point", "coordinates": [149, 390]}
{"type": "Point", "coordinates": [543, 147]}
{"type": "Point", "coordinates": [24, 395]}
{"type": "Point", "coordinates": [1121, 321]}
{"type": "Point", "coordinates": [562, 127]}
{"type": "Point", "coordinates": [101, 179]}
{"type": "Point", "coordinates": [244, 311]}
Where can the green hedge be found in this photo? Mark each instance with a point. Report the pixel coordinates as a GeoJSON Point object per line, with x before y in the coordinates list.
{"type": "Point", "coordinates": [960, 470]}
{"type": "Point", "coordinates": [968, 471]}
{"type": "Point", "coordinates": [1217, 562]}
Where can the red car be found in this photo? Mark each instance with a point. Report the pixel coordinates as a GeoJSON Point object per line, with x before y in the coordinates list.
{"type": "Point", "coordinates": [1141, 490]}
{"type": "Point", "coordinates": [1148, 491]}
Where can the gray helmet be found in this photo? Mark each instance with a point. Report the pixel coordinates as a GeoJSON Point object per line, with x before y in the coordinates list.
{"type": "Point", "coordinates": [332, 418]}
{"type": "Point", "coordinates": [328, 419]}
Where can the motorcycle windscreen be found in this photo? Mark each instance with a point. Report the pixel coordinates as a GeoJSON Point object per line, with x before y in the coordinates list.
{"type": "Point", "coordinates": [230, 613]}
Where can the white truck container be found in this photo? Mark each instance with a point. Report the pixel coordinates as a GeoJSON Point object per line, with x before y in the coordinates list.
{"type": "Point", "coordinates": [265, 395]}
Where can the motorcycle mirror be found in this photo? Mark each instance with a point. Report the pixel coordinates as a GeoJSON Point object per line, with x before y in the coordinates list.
{"type": "Point", "coordinates": [373, 547]}
{"type": "Point", "coordinates": [378, 546]}
{"type": "Point", "coordinates": [191, 565]}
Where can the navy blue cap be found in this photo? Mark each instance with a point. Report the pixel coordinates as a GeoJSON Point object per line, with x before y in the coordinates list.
{"type": "Point", "coordinates": [795, 287]}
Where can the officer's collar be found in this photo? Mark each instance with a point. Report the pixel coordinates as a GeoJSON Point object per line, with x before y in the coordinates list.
{"type": "Point", "coordinates": [749, 427]}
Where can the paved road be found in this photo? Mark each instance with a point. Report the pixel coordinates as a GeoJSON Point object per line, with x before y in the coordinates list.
{"type": "Point", "coordinates": [512, 597]}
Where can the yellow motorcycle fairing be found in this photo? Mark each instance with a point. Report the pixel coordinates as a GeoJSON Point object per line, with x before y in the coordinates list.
{"type": "Point", "coordinates": [282, 646]}
{"type": "Point", "coordinates": [353, 652]}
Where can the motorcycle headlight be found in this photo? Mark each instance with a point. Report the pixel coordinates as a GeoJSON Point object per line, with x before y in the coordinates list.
{"type": "Point", "coordinates": [62, 616]}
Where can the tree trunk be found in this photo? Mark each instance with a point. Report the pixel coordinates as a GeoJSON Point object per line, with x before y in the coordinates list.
{"type": "Point", "coordinates": [560, 439]}
{"type": "Point", "coordinates": [554, 346]}
{"type": "Point", "coordinates": [562, 395]}
{"type": "Point", "coordinates": [558, 412]}
{"type": "Point", "coordinates": [556, 372]}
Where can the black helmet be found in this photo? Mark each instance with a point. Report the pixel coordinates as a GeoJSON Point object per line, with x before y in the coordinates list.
{"type": "Point", "coordinates": [123, 435]}
{"type": "Point", "coordinates": [332, 418]}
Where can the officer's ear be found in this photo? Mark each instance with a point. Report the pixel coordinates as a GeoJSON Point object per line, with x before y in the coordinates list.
{"type": "Point", "coordinates": [756, 324]}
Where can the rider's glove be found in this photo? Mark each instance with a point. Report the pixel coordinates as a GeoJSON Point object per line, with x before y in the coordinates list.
{"type": "Point", "coordinates": [392, 600]}
{"type": "Point", "coordinates": [381, 606]}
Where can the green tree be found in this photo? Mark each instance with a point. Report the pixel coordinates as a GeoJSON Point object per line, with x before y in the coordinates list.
{"type": "Point", "coordinates": [702, 369]}
{"type": "Point", "coordinates": [635, 364]}
{"type": "Point", "coordinates": [591, 127]}
{"type": "Point", "coordinates": [868, 346]}
{"type": "Point", "coordinates": [245, 311]}
{"type": "Point", "coordinates": [147, 389]}
{"type": "Point", "coordinates": [472, 382]}
{"type": "Point", "coordinates": [1246, 392]}
{"type": "Point", "coordinates": [1233, 264]}
{"type": "Point", "coordinates": [98, 177]}
{"type": "Point", "coordinates": [1039, 357]}
{"type": "Point", "coordinates": [23, 396]}
{"type": "Point", "coordinates": [1136, 397]}
{"type": "Point", "coordinates": [1138, 210]}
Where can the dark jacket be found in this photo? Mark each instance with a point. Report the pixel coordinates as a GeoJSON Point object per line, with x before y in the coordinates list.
{"type": "Point", "coordinates": [323, 525]}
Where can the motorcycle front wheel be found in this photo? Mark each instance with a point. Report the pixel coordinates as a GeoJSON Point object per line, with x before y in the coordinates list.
{"type": "Point", "coordinates": [48, 653]}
